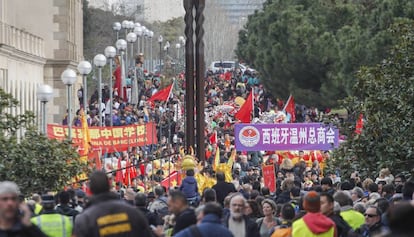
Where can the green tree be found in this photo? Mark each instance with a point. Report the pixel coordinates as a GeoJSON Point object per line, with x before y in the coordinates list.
{"type": "Point", "coordinates": [384, 94]}
{"type": "Point", "coordinates": [33, 161]}
{"type": "Point", "coordinates": [313, 49]}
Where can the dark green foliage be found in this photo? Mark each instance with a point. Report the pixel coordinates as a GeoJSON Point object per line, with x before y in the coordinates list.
{"type": "Point", "coordinates": [313, 48]}
{"type": "Point", "coordinates": [384, 93]}
{"type": "Point", "coordinates": [33, 161]}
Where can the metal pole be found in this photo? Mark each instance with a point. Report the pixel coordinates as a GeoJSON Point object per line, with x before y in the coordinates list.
{"type": "Point", "coordinates": [44, 117]}
{"type": "Point", "coordinates": [111, 122]}
{"type": "Point", "coordinates": [132, 54]}
{"type": "Point", "coordinates": [151, 67]}
{"type": "Point", "coordinates": [100, 95]}
{"type": "Point", "coordinates": [69, 112]}
{"type": "Point", "coordinates": [85, 94]}
{"type": "Point", "coordinates": [143, 51]}
{"type": "Point", "coordinates": [123, 78]}
{"type": "Point", "coordinates": [138, 49]}
{"type": "Point", "coordinates": [160, 56]}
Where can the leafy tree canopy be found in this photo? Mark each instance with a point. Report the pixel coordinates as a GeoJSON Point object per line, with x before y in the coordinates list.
{"type": "Point", "coordinates": [384, 94]}
{"type": "Point", "coordinates": [313, 48]}
{"type": "Point", "coordinates": [33, 161]}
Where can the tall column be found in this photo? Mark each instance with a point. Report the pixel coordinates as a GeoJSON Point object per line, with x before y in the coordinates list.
{"type": "Point", "coordinates": [189, 73]}
{"type": "Point", "coordinates": [199, 58]}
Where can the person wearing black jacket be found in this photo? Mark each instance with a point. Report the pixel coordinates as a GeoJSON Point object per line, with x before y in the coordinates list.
{"type": "Point", "coordinates": [15, 216]}
{"type": "Point", "coordinates": [327, 208]}
{"type": "Point", "coordinates": [107, 215]}
{"type": "Point", "coordinates": [222, 187]}
{"type": "Point", "coordinates": [184, 215]}
{"type": "Point", "coordinates": [141, 204]}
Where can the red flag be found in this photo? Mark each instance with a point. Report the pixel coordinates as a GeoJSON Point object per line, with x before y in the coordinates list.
{"type": "Point", "coordinates": [245, 112]}
{"type": "Point", "coordinates": [118, 176]}
{"type": "Point", "coordinates": [269, 177]}
{"type": "Point", "coordinates": [290, 108]}
{"type": "Point", "coordinates": [213, 138]}
{"type": "Point", "coordinates": [170, 181]}
{"type": "Point", "coordinates": [360, 124]}
{"type": "Point", "coordinates": [162, 95]}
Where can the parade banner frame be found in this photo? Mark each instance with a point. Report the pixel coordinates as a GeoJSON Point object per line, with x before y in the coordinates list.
{"type": "Point", "coordinates": [286, 136]}
{"type": "Point", "coordinates": [111, 139]}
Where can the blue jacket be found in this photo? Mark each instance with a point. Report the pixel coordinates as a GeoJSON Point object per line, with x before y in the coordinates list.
{"type": "Point", "coordinates": [209, 226]}
{"type": "Point", "coordinates": [189, 187]}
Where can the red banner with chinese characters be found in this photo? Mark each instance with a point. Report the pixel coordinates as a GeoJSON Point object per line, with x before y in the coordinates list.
{"type": "Point", "coordinates": [108, 139]}
{"type": "Point", "coordinates": [269, 177]}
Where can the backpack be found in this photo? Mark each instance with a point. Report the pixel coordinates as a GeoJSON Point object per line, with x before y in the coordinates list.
{"type": "Point", "coordinates": [282, 232]}
{"type": "Point", "coordinates": [164, 210]}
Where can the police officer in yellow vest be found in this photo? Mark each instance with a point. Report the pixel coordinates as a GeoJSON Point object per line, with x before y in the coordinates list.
{"type": "Point", "coordinates": [50, 222]}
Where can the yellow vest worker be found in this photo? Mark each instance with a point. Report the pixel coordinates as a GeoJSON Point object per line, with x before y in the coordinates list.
{"type": "Point", "coordinates": [314, 223]}
{"type": "Point", "coordinates": [50, 222]}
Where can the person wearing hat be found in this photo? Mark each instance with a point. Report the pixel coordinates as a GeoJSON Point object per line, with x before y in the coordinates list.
{"type": "Point", "coordinates": [50, 222]}
{"type": "Point", "coordinates": [313, 223]}
{"type": "Point", "coordinates": [14, 215]}
{"type": "Point", "coordinates": [107, 215]}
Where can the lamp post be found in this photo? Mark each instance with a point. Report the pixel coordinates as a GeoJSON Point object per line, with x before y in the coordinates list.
{"type": "Point", "coordinates": [138, 32]}
{"type": "Point", "coordinates": [121, 45]}
{"type": "Point", "coordinates": [44, 94]}
{"type": "Point", "coordinates": [178, 46]}
{"type": "Point", "coordinates": [181, 39]}
{"type": "Point", "coordinates": [99, 60]}
{"type": "Point", "coordinates": [69, 78]}
{"type": "Point", "coordinates": [151, 63]}
{"type": "Point", "coordinates": [160, 39]}
{"type": "Point", "coordinates": [110, 53]}
{"type": "Point", "coordinates": [84, 68]}
{"type": "Point", "coordinates": [167, 46]}
{"type": "Point", "coordinates": [131, 38]}
{"type": "Point", "coordinates": [116, 26]}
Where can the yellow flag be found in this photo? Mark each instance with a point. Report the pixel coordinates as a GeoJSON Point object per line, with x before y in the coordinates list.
{"type": "Point", "coordinates": [231, 159]}
{"type": "Point", "coordinates": [216, 159]}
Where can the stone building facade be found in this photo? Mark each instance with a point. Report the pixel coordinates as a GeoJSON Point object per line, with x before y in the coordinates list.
{"type": "Point", "coordinates": [38, 41]}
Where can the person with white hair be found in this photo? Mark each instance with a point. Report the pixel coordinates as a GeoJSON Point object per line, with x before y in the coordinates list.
{"type": "Point", "coordinates": [15, 216]}
{"type": "Point", "coordinates": [239, 224]}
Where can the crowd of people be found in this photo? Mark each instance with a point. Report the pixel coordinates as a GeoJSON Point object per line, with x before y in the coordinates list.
{"type": "Point", "coordinates": [307, 200]}
{"type": "Point", "coordinates": [352, 207]}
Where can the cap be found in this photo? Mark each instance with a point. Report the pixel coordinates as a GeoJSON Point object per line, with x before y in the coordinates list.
{"type": "Point", "coordinates": [48, 199]}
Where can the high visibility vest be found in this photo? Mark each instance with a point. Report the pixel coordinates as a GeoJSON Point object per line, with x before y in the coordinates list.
{"type": "Point", "coordinates": [38, 209]}
{"type": "Point", "coordinates": [300, 229]}
{"type": "Point", "coordinates": [54, 225]}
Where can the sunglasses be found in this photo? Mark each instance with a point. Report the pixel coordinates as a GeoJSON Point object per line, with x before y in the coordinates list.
{"type": "Point", "coordinates": [370, 215]}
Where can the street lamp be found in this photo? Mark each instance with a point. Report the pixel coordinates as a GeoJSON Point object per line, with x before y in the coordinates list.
{"type": "Point", "coordinates": [125, 25]}
{"type": "Point", "coordinates": [138, 32]}
{"type": "Point", "coordinates": [69, 78]}
{"type": "Point", "coordinates": [131, 38]}
{"type": "Point", "coordinates": [99, 60]}
{"type": "Point", "coordinates": [151, 66]}
{"type": "Point", "coordinates": [110, 53]}
{"type": "Point", "coordinates": [160, 39]}
{"type": "Point", "coordinates": [167, 46]}
{"type": "Point", "coordinates": [84, 68]}
{"type": "Point", "coordinates": [147, 36]}
{"type": "Point", "coordinates": [178, 46]}
{"type": "Point", "coordinates": [116, 26]}
{"type": "Point", "coordinates": [44, 94]}
{"type": "Point", "coordinates": [121, 45]}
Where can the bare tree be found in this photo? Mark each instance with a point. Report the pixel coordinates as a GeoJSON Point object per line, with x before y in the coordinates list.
{"type": "Point", "coordinates": [221, 35]}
